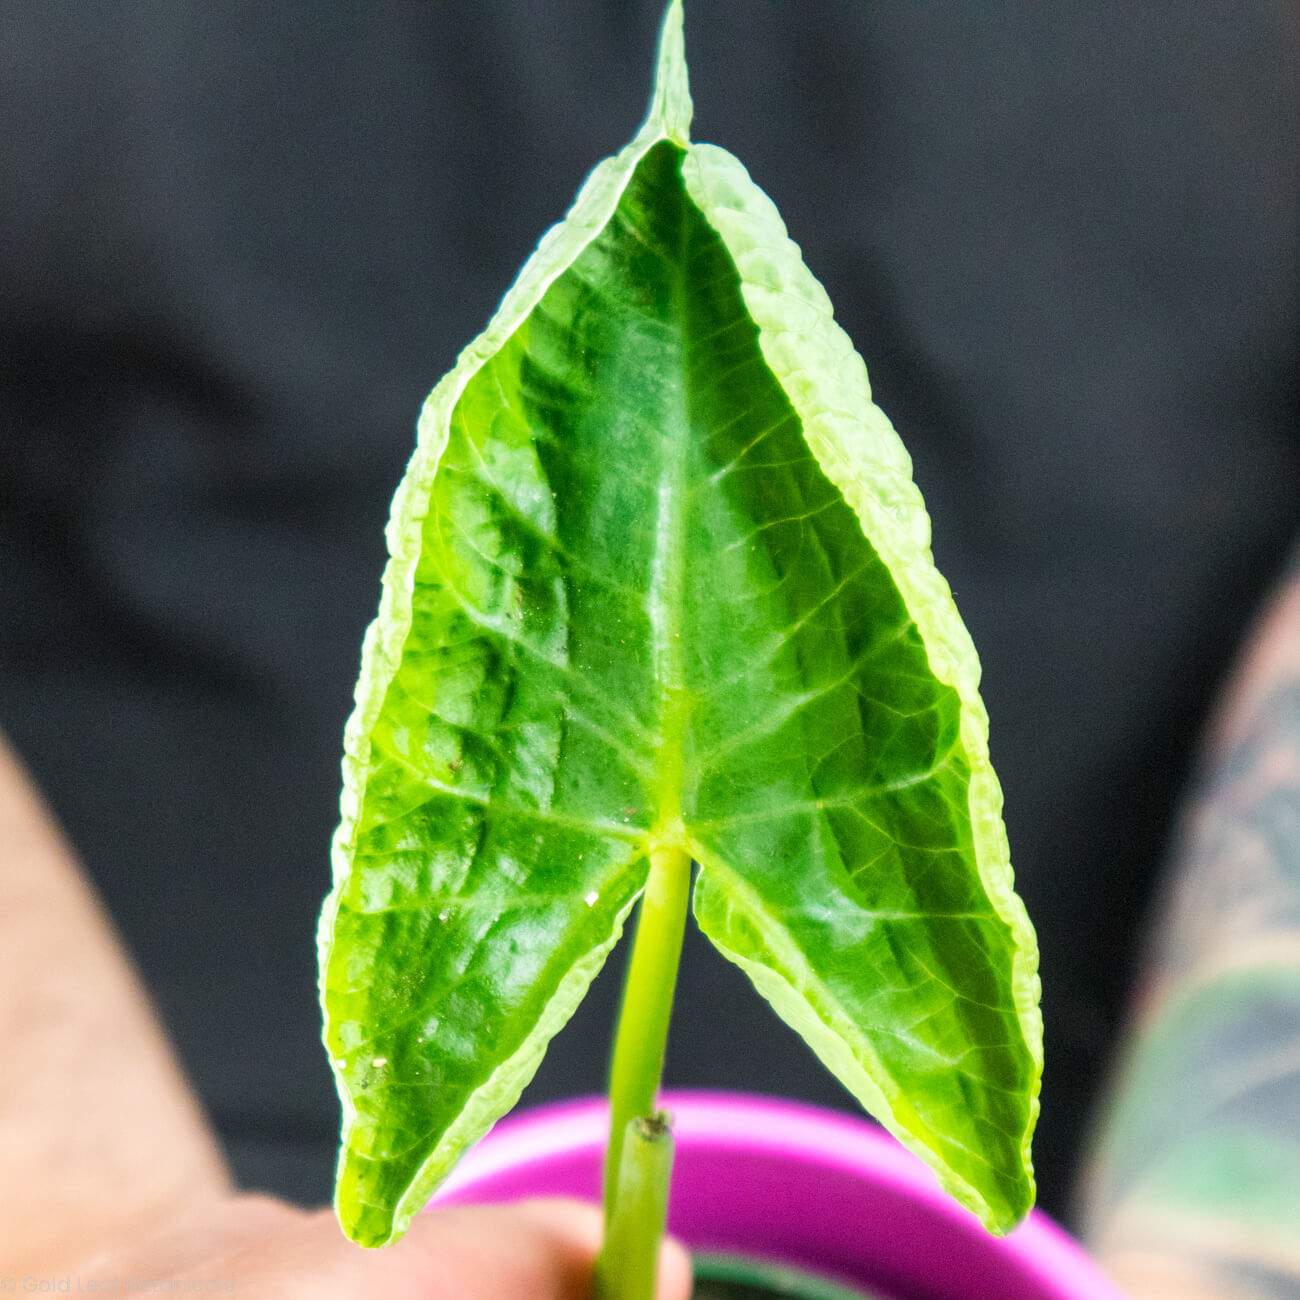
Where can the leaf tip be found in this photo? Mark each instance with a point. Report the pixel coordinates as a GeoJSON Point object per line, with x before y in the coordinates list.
{"type": "Point", "coordinates": [671, 108]}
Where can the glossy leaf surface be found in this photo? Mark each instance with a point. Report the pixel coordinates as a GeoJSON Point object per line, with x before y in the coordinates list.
{"type": "Point", "coordinates": [659, 575]}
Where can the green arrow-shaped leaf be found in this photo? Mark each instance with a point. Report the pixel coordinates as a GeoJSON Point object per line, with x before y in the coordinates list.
{"type": "Point", "coordinates": [659, 575]}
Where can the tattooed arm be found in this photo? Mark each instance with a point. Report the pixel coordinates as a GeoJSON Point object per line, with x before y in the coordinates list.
{"type": "Point", "coordinates": [1194, 1185]}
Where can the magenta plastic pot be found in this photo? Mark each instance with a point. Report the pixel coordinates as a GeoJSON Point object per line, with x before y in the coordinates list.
{"type": "Point", "coordinates": [796, 1185]}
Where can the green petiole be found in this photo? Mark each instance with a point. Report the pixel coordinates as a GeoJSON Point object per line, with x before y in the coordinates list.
{"type": "Point", "coordinates": [639, 1157]}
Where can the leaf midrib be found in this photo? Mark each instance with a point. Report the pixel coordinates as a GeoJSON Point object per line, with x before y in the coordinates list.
{"type": "Point", "coordinates": [667, 588]}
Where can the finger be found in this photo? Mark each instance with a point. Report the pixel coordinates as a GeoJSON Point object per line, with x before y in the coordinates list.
{"type": "Point", "coordinates": [674, 1261]}
{"type": "Point", "coordinates": [675, 1278]}
{"type": "Point", "coordinates": [475, 1253]}
{"type": "Point", "coordinates": [541, 1250]}
{"type": "Point", "coordinates": [537, 1248]}
{"type": "Point", "coordinates": [198, 1239]}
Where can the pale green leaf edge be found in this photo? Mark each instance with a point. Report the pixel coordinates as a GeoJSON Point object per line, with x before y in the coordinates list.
{"type": "Point", "coordinates": [858, 449]}
{"type": "Point", "coordinates": [381, 651]}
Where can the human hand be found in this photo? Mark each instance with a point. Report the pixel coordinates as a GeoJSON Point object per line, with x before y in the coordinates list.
{"type": "Point", "coordinates": [115, 1185]}
{"type": "Point", "coordinates": [256, 1248]}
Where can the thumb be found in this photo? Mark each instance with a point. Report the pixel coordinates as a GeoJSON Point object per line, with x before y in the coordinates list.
{"type": "Point", "coordinates": [539, 1249]}
{"type": "Point", "coordinates": [543, 1249]}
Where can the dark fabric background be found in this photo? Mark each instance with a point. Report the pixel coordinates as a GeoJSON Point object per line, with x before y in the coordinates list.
{"type": "Point", "coordinates": [239, 242]}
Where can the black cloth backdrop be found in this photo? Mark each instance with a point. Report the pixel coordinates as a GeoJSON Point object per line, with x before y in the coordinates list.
{"type": "Point", "coordinates": [239, 242]}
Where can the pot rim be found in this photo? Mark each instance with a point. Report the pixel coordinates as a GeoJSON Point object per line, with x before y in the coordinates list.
{"type": "Point", "coordinates": [833, 1143]}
